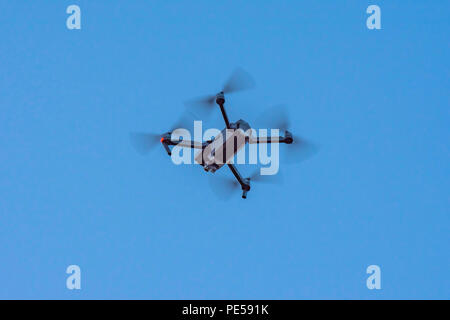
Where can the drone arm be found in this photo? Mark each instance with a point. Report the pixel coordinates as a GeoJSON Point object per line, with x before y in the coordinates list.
{"type": "Point", "coordinates": [188, 144]}
{"type": "Point", "coordinates": [275, 139]}
{"type": "Point", "coordinates": [166, 147]}
{"type": "Point", "coordinates": [245, 183]}
{"type": "Point", "coordinates": [265, 140]}
{"type": "Point", "coordinates": [224, 114]}
{"type": "Point", "coordinates": [184, 144]}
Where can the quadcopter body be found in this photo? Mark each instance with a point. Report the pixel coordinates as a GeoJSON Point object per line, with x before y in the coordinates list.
{"type": "Point", "coordinates": [220, 150]}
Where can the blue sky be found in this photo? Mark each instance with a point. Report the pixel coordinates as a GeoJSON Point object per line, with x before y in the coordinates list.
{"type": "Point", "coordinates": [73, 190]}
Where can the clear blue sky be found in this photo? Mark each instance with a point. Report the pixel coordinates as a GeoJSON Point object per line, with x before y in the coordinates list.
{"type": "Point", "coordinates": [74, 191]}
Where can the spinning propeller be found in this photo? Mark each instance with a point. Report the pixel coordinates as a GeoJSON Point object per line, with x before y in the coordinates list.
{"type": "Point", "coordinates": [277, 117]}
{"type": "Point", "coordinates": [238, 81]}
{"type": "Point", "coordinates": [144, 142]}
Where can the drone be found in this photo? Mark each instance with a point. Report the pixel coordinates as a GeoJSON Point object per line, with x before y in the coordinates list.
{"type": "Point", "coordinates": [217, 152]}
